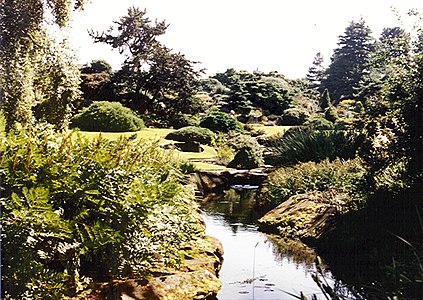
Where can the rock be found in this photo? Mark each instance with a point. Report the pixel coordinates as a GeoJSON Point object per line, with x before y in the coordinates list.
{"type": "Point", "coordinates": [197, 278]}
{"type": "Point", "coordinates": [214, 181]}
{"type": "Point", "coordinates": [304, 216]}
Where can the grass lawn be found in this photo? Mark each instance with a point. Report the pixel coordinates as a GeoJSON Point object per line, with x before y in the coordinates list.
{"type": "Point", "coordinates": [202, 166]}
{"type": "Point", "coordinates": [159, 134]}
{"type": "Point", "coordinates": [147, 133]}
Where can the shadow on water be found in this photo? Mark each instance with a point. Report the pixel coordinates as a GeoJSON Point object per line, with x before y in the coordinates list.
{"type": "Point", "coordinates": [256, 265]}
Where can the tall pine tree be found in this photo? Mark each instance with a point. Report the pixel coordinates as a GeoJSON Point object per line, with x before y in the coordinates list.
{"type": "Point", "coordinates": [316, 72]}
{"type": "Point", "coordinates": [349, 61]}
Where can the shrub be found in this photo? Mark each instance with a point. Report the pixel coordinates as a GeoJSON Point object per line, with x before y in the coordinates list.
{"type": "Point", "coordinates": [343, 176]}
{"type": "Point", "coordinates": [72, 208]}
{"type": "Point", "coordinates": [184, 120]}
{"type": "Point", "coordinates": [108, 117]}
{"type": "Point", "coordinates": [248, 152]}
{"type": "Point", "coordinates": [319, 123]}
{"type": "Point", "coordinates": [246, 158]}
{"type": "Point", "coordinates": [293, 116]}
{"type": "Point", "coordinates": [192, 133]}
{"type": "Point", "coordinates": [220, 122]}
{"type": "Point", "coordinates": [331, 114]}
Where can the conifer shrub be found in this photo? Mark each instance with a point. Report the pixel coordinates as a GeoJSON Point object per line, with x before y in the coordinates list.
{"type": "Point", "coordinates": [107, 117]}
{"type": "Point", "coordinates": [246, 158]}
{"type": "Point", "coordinates": [238, 150]}
{"type": "Point", "coordinates": [221, 122]}
{"type": "Point", "coordinates": [319, 123]}
{"type": "Point", "coordinates": [192, 133]}
{"type": "Point", "coordinates": [293, 116]}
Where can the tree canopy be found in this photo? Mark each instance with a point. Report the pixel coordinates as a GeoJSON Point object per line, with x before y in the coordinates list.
{"type": "Point", "coordinates": [151, 74]}
{"type": "Point", "coordinates": [349, 62]}
{"type": "Point", "coordinates": [33, 68]}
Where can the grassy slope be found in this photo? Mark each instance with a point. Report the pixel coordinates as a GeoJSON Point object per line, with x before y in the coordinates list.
{"type": "Point", "coordinates": [155, 134]}
{"type": "Point", "coordinates": [159, 134]}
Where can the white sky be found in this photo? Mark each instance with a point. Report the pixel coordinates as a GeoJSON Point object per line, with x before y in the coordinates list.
{"type": "Point", "coordinates": [268, 35]}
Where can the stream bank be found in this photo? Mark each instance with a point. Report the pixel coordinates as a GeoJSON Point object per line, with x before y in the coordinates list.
{"type": "Point", "coordinates": [257, 265]}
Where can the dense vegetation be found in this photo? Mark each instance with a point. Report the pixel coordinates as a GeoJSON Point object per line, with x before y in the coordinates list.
{"type": "Point", "coordinates": [76, 211]}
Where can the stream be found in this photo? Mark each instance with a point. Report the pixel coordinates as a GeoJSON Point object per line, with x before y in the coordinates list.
{"type": "Point", "coordinates": [256, 265]}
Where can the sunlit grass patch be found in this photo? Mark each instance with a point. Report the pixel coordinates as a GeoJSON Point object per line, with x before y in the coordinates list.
{"type": "Point", "coordinates": [148, 134]}
{"type": "Point", "coordinates": [203, 166]}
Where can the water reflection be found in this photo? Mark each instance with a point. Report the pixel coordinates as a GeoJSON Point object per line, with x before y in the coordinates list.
{"type": "Point", "coordinates": [256, 265]}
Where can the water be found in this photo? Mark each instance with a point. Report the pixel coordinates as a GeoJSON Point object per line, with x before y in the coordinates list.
{"type": "Point", "coordinates": [256, 265]}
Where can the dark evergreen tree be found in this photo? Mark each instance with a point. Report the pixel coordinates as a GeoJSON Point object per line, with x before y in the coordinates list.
{"type": "Point", "coordinates": [392, 48]}
{"type": "Point", "coordinates": [316, 72]}
{"type": "Point", "coordinates": [349, 62]}
{"type": "Point", "coordinates": [152, 75]}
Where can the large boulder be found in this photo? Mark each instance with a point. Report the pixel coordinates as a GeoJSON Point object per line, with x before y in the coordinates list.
{"type": "Point", "coordinates": [305, 216]}
{"type": "Point", "coordinates": [197, 278]}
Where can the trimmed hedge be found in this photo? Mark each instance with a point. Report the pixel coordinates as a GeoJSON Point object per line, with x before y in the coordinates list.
{"type": "Point", "coordinates": [107, 117]}
{"type": "Point", "coordinates": [192, 133]}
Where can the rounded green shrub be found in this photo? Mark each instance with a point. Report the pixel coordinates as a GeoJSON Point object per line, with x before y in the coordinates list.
{"type": "Point", "coordinates": [192, 133]}
{"type": "Point", "coordinates": [184, 120]}
{"type": "Point", "coordinates": [221, 122]}
{"type": "Point", "coordinates": [319, 124]}
{"type": "Point", "coordinates": [249, 153]}
{"type": "Point", "coordinates": [246, 158]}
{"type": "Point", "coordinates": [108, 117]}
{"type": "Point", "coordinates": [293, 116]}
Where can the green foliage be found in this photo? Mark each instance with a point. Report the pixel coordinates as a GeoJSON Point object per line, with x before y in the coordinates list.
{"type": "Point", "coordinates": [248, 152]}
{"type": "Point", "coordinates": [342, 176]}
{"type": "Point", "coordinates": [107, 116]}
{"type": "Point", "coordinates": [152, 76]}
{"type": "Point", "coordinates": [331, 114]}
{"type": "Point", "coordinates": [349, 61]}
{"type": "Point", "coordinates": [325, 101]}
{"type": "Point", "coordinates": [57, 82]}
{"type": "Point", "coordinates": [316, 72]}
{"type": "Point", "coordinates": [33, 70]}
{"type": "Point", "coordinates": [293, 116]}
{"type": "Point", "coordinates": [97, 66]}
{"type": "Point", "coordinates": [184, 120]}
{"type": "Point", "coordinates": [319, 123]}
{"type": "Point", "coordinates": [304, 145]}
{"type": "Point", "coordinates": [245, 158]}
{"type": "Point", "coordinates": [75, 211]}
{"type": "Point", "coordinates": [271, 92]}
{"type": "Point", "coordinates": [192, 133]}
{"type": "Point", "coordinates": [220, 122]}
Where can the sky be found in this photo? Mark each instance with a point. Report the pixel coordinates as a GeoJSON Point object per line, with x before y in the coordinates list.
{"type": "Point", "coordinates": [263, 35]}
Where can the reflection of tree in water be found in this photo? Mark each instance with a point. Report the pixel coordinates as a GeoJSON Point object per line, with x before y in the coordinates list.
{"type": "Point", "coordinates": [235, 206]}
{"type": "Point", "coordinates": [294, 251]}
